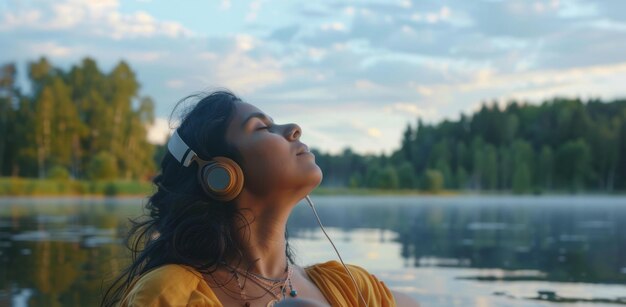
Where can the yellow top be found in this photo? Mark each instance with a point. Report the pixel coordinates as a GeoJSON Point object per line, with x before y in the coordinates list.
{"type": "Point", "coordinates": [178, 285]}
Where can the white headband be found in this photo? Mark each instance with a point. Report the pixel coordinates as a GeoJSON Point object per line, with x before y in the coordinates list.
{"type": "Point", "coordinates": [180, 150]}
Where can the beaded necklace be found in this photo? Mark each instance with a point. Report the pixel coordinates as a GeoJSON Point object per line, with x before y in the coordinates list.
{"type": "Point", "coordinates": [270, 285]}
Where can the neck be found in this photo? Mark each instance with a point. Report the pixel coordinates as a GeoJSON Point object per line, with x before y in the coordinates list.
{"type": "Point", "coordinates": [263, 240]}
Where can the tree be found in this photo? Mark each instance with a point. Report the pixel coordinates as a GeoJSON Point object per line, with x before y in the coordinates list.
{"type": "Point", "coordinates": [71, 117]}
{"type": "Point", "coordinates": [523, 139]}
{"type": "Point", "coordinates": [8, 96]}
{"type": "Point", "coordinates": [102, 166]}
{"type": "Point", "coordinates": [505, 167]}
{"type": "Point", "coordinates": [406, 176]}
{"type": "Point", "coordinates": [477, 163]}
{"type": "Point", "coordinates": [124, 88]}
{"type": "Point", "coordinates": [521, 179]}
{"type": "Point", "coordinates": [573, 164]}
{"type": "Point", "coordinates": [433, 181]}
{"type": "Point", "coordinates": [372, 176]}
{"type": "Point", "coordinates": [407, 143]}
{"type": "Point", "coordinates": [461, 178]}
{"type": "Point", "coordinates": [489, 167]}
{"type": "Point", "coordinates": [64, 148]}
{"type": "Point", "coordinates": [602, 140]}
{"type": "Point", "coordinates": [388, 178]}
{"type": "Point", "coordinates": [43, 128]}
{"type": "Point", "coordinates": [523, 159]}
{"type": "Point", "coordinates": [620, 169]}
{"type": "Point", "coordinates": [137, 160]}
{"type": "Point", "coordinates": [545, 171]}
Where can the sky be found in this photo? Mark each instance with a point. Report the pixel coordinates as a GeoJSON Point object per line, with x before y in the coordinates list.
{"type": "Point", "coordinates": [350, 73]}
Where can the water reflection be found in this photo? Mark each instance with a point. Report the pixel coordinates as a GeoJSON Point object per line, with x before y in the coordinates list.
{"type": "Point", "coordinates": [578, 239]}
{"type": "Point", "coordinates": [59, 252]}
{"type": "Point", "coordinates": [56, 253]}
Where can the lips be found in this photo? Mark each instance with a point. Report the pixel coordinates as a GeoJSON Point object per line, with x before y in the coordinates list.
{"type": "Point", "coordinates": [302, 149]}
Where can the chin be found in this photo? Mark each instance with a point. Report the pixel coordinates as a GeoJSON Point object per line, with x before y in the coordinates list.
{"type": "Point", "coordinates": [317, 177]}
{"type": "Point", "coordinates": [321, 176]}
{"type": "Point", "coordinates": [311, 178]}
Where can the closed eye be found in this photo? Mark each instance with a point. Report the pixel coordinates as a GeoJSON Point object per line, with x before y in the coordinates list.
{"type": "Point", "coordinates": [261, 128]}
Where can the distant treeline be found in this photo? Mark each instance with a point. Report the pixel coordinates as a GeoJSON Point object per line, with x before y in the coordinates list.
{"type": "Point", "coordinates": [81, 123]}
{"type": "Point", "coordinates": [87, 124]}
{"type": "Point", "coordinates": [562, 144]}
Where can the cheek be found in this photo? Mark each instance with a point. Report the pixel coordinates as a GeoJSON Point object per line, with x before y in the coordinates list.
{"type": "Point", "coordinates": [267, 162]}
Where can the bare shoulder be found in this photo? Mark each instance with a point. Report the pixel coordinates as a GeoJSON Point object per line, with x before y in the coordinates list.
{"type": "Point", "coordinates": [403, 299]}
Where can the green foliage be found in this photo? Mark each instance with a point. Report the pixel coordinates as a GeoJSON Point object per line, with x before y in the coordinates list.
{"type": "Point", "coordinates": [406, 176]}
{"type": "Point", "coordinates": [521, 179]}
{"type": "Point", "coordinates": [489, 165]}
{"type": "Point", "coordinates": [58, 172]}
{"type": "Point", "coordinates": [388, 178]}
{"type": "Point", "coordinates": [46, 187]}
{"type": "Point", "coordinates": [70, 117]}
{"type": "Point", "coordinates": [355, 181]}
{"type": "Point", "coordinates": [545, 167]}
{"type": "Point", "coordinates": [433, 181]}
{"type": "Point", "coordinates": [461, 178]}
{"type": "Point", "coordinates": [102, 166]}
{"type": "Point", "coordinates": [373, 177]}
{"type": "Point", "coordinates": [558, 145]}
{"type": "Point", "coordinates": [85, 123]}
{"type": "Point", "coordinates": [110, 190]}
{"type": "Point", "coordinates": [573, 164]}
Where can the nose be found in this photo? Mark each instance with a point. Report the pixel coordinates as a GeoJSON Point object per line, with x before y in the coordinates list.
{"type": "Point", "coordinates": [293, 132]}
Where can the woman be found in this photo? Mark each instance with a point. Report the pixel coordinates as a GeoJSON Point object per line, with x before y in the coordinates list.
{"type": "Point", "coordinates": [198, 247]}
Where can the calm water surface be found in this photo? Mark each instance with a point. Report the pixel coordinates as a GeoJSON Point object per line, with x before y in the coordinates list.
{"type": "Point", "coordinates": [444, 251]}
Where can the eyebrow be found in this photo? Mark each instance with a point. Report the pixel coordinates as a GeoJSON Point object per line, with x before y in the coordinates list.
{"type": "Point", "coordinates": [256, 115]}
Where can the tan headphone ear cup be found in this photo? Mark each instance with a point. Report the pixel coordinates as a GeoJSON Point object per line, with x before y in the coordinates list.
{"type": "Point", "coordinates": [222, 179]}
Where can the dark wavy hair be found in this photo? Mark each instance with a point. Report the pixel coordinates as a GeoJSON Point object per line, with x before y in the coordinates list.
{"type": "Point", "coordinates": [182, 224]}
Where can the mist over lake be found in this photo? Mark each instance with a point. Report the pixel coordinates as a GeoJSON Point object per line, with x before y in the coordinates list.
{"type": "Point", "coordinates": [444, 251]}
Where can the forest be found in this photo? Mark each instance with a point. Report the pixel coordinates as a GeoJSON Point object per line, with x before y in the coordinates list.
{"type": "Point", "coordinates": [83, 123]}
{"type": "Point", "coordinates": [559, 145]}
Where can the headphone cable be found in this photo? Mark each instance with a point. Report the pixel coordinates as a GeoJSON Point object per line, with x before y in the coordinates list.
{"type": "Point", "coordinates": [308, 199]}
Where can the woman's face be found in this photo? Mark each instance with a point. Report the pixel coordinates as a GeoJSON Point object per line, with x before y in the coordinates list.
{"type": "Point", "coordinates": [274, 159]}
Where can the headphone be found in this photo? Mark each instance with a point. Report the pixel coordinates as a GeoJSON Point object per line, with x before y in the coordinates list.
{"type": "Point", "coordinates": [221, 178]}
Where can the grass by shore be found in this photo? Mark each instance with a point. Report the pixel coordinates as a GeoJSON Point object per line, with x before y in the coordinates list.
{"type": "Point", "coordinates": [11, 186]}
{"type": "Point", "coordinates": [369, 191]}
{"type": "Point", "coordinates": [53, 187]}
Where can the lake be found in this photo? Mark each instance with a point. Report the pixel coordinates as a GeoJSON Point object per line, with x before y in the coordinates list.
{"type": "Point", "coordinates": [444, 251]}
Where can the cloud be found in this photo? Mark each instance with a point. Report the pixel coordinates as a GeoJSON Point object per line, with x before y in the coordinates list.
{"type": "Point", "coordinates": [541, 78]}
{"type": "Point", "coordinates": [12, 20]}
{"type": "Point", "coordinates": [52, 48]}
{"type": "Point", "coordinates": [411, 110]}
{"type": "Point", "coordinates": [226, 4]}
{"type": "Point", "coordinates": [174, 83]}
{"type": "Point", "coordinates": [254, 9]}
{"type": "Point", "coordinates": [87, 18]}
{"type": "Point", "coordinates": [144, 56]}
{"type": "Point", "coordinates": [333, 26]}
{"type": "Point", "coordinates": [244, 42]}
{"type": "Point", "coordinates": [141, 24]}
{"type": "Point", "coordinates": [159, 131]}
{"type": "Point", "coordinates": [246, 75]}
{"type": "Point", "coordinates": [374, 132]}
{"type": "Point", "coordinates": [326, 64]}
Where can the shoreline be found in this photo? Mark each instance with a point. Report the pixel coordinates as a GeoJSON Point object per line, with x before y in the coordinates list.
{"type": "Point", "coordinates": [339, 192]}
{"type": "Point", "coordinates": [120, 188]}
